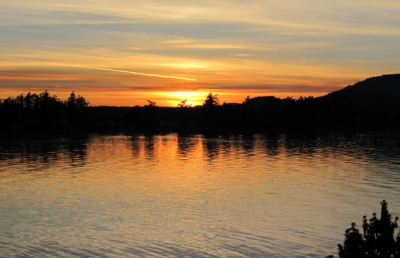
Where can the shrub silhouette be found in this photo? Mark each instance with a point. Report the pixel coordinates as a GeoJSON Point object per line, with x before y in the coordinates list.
{"type": "Point", "coordinates": [377, 240]}
{"type": "Point", "coordinates": [211, 100]}
{"type": "Point", "coordinates": [183, 104]}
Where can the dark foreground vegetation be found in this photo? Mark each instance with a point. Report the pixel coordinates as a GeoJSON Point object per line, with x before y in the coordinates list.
{"type": "Point", "coordinates": [376, 241]}
{"type": "Point", "coordinates": [371, 105]}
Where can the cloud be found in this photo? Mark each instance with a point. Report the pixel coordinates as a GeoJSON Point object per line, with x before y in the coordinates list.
{"type": "Point", "coordinates": [232, 46]}
{"type": "Point", "coordinates": [338, 16]}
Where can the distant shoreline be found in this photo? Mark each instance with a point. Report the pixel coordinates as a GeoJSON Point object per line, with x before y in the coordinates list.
{"type": "Point", "coordinates": [369, 106]}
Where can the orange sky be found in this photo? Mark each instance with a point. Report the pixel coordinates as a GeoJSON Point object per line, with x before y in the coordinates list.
{"type": "Point", "coordinates": [119, 88]}
{"type": "Point", "coordinates": [120, 53]}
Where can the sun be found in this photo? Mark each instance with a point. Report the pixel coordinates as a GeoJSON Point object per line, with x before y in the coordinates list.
{"type": "Point", "coordinates": [173, 98]}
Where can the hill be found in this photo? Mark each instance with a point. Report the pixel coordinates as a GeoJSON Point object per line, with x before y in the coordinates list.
{"type": "Point", "coordinates": [386, 84]}
{"type": "Point", "coordinates": [375, 94]}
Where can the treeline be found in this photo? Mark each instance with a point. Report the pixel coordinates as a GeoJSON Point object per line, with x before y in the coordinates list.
{"type": "Point", "coordinates": [31, 111]}
{"type": "Point", "coordinates": [345, 110]}
{"type": "Point", "coordinates": [339, 111]}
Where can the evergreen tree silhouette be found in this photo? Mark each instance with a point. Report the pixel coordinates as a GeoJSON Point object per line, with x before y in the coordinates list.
{"type": "Point", "coordinates": [377, 240]}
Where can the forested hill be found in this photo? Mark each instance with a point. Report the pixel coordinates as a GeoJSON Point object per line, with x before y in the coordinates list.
{"type": "Point", "coordinates": [379, 94]}
{"type": "Point", "coordinates": [370, 105]}
{"type": "Point", "coordinates": [385, 84]}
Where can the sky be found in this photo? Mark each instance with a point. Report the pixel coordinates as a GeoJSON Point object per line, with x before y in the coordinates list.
{"type": "Point", "coordinates": [123, 53]}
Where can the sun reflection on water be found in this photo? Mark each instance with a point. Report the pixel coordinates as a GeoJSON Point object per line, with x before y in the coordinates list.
{"type": "Point", "coordinates": [191, 195]}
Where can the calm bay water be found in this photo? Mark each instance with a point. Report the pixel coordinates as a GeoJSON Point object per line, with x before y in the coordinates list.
{"type": "Point", "coordinates": [191, 196]}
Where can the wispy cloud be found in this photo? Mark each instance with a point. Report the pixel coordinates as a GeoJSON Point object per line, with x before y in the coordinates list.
{"type": "Point", "coordinates": [227, 46]}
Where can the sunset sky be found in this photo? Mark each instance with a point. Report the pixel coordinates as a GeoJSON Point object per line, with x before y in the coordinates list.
{"type": "Point", "coordinates": [123, 53]}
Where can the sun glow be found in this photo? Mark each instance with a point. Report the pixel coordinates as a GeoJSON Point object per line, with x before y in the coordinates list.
{"type": "Point", "coordinates": [173, 98]}
{"type": "Point", "coordinates": [184, 94]}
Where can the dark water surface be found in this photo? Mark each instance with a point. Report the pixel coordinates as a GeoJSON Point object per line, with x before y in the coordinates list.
{"type": "Point", "coordinates": [191, 196]}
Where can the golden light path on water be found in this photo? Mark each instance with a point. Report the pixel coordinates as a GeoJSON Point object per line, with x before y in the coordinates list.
{"type": "Point", "coordinates": [191, 196]}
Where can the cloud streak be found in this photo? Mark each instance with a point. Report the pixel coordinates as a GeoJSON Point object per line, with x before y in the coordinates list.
{"type": "Point", "coordinates": [144, 74]}
{"type": "Point", "coordinates": [169, 46]}
{"type": "Point", "coordinates": [106, 69]}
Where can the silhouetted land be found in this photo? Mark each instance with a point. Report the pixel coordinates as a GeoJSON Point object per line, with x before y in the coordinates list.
{"type": "Point", "coordinates": [370, 105]}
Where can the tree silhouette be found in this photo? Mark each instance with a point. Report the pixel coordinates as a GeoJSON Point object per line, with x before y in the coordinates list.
{"type": "Point", "coordinates": [76, 102]}
{"type": "Point", "coordinates": [28, 101]}
{"type": "Point", "coordinates": [246, 100]}
{"type": "Point", "coordinates": [211, 100]}
{"type": "Point", "coordinates": [81, 102]}
{"type": "Point", "coordinates": [151, 103]}
{"type": "Point", "coordinates": [377, 240]}
{"type": "Point", "coordinates": [183, 104]}
{"type": "Point", "coordinates": [71, 102]}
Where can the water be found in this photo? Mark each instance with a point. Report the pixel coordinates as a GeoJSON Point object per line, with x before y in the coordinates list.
{"type": "Point", "coordinates": [191, 196]}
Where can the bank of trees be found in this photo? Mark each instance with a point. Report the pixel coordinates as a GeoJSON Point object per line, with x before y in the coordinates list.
{"type": "Point", "coordinates": [42, 111]}
{"type": "Point", "coordinates": [42, 101]}
{"type": "Point", "coordinates": [338, 111]}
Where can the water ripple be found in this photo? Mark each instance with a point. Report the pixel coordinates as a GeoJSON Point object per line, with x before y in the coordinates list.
{"type": "Point", "coordinates": [191, 196]}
